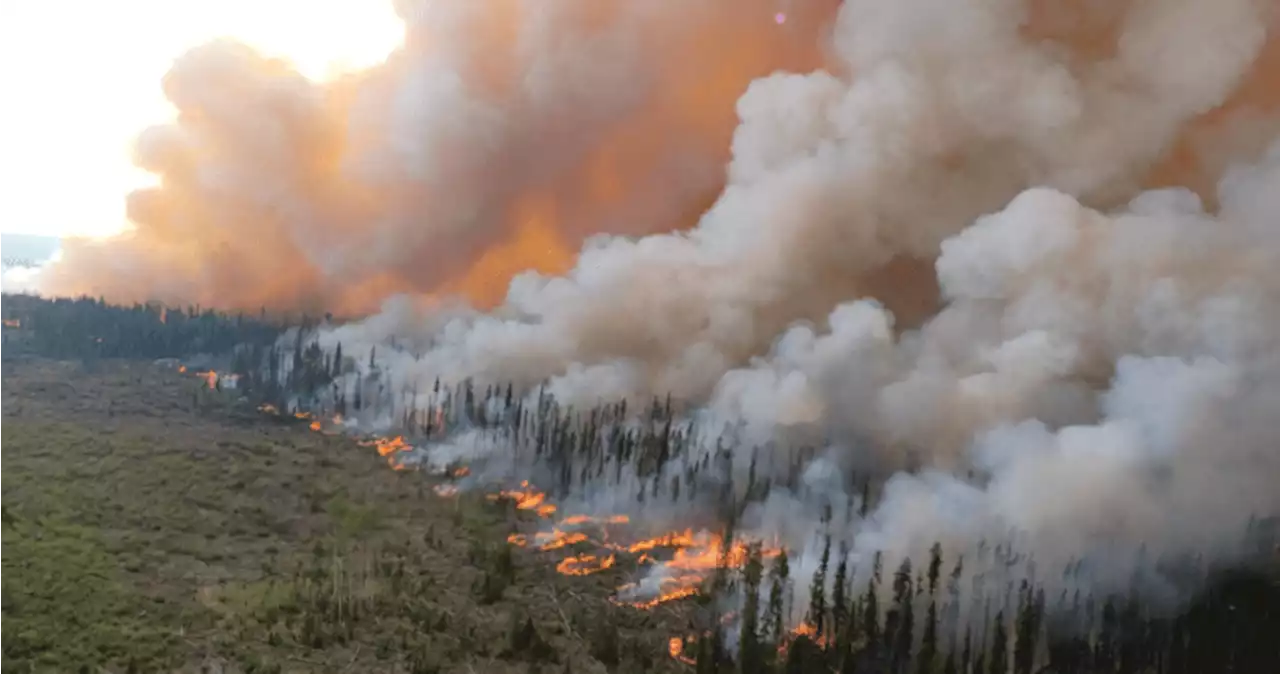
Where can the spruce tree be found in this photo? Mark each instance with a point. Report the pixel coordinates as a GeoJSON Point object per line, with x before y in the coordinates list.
{"type": "Point", "coordinates": [840, 599]}
{"type": "Point", "coordinates": [899, 628]}
{"type": "Point", "coordinates": [999, 647]}
{"type": "Point", "coordinates": [1028, 627]}
{"type": "Point", "coordinates": [750, 654]}
{"type": "Point", "coordinates": [871, 604]}
{"type": "Point", "coordinates": [818, 592]}
{"type": "Point", "coordinates": [778, 578]}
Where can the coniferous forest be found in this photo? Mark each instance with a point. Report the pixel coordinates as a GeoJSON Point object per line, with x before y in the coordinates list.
{"type": "Point", "coordinates": [933, 615]}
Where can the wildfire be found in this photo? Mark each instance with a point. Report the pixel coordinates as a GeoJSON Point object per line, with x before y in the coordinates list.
{"type": "Point", "coordinates": [182, 369]}
{"type": "Point", "coordinates": [558, 539]}
{"type": "Point", "coordinates": [527, 498]}
{"type": "Point", "coordinates": [695, 554]}
{"type": "Point", "coordinates": [808, 629]}
{"type": "Point", "coordinates": [583, 565]}
{"type": "Point", "coordinates": [388, 446]}
{"type": "Point", "coordinates": [210, 378]}
{"type": "Point", "coordinates": [676, 648]}
{"type": "Point", "coordinates": [672, 589]}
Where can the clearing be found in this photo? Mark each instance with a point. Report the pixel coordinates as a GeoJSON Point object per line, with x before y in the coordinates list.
{"type": "Point", "coordinates": [151, 524]}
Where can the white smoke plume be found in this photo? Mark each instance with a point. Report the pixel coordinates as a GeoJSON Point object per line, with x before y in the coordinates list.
{"type": "Point", "coordinates": [1087, 364]}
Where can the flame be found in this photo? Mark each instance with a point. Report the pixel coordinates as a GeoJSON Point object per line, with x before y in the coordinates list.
{"type": "Point", "coordinates": [577, 520]}
{"type": "Point", "coordinates": [461, 471]}
{"type": "Point", "coordinates": [210, 377]}
{"type": "Point", "coordinates": [676, 648]}
{"type": "Point", "coordinates": [446, 491]}
{"type": "Point", "coordinates": [183, 368]}
{"type": "Point", "coordinates": [519, 540]}
{"type": "Point", "coordinates": [267, 408]}
{"type": "Point", "coordinates": [527, 498]}
{"type": "Point", "coordinates": [672, 589]}
{"type": "Point", "coordinates": [315, 425]}
{"type": "Point", "coordinates": [388, 446]}
{"type": "Point", "coordinates": [557, 539]}
{"type": "Point", "coordinates": [583, 565]}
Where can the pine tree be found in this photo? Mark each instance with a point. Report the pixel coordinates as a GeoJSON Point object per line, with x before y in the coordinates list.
{"type": "Point", "coordinates": [899, 627]}
{"type": "Point", "coordinates": [999, 647]}
{"type": "Point", "coordinates": [840, 599]}
{"type": "Point", "coordinates": [1028, 627]}
{"type": "Point", "coordinates": [750, 654]}
{"type": "Point", "coordinates": [818, 592]}
{"type": "Point", "coordinates": [871, 604]}
{"type": "Point", "coordinates": [929, 640]}
{"type": "Point", "coordinates": [778, 578]}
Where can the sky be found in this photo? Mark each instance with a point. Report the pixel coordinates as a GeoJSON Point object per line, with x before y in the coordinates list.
{"type": "Point", "coordinates": [82, 78]}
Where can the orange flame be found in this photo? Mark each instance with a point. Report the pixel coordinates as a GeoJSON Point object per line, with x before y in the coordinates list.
{"type": "Point", "coordinates": [558, 539]}
{"type": "Point", "coordinates": [388, 446]}
{"type": "Point", "coordinates": [583, 565]}
{"type": "Point", "coordinates": [676, 648]}
{"type": "Point", "coordinates": [210, 378]}
{"type": "Point", "coordinates": [527, 498]}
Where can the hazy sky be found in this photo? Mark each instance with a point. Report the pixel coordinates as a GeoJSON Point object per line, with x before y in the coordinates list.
{"type": "Point", "coordinates": [82, 77]}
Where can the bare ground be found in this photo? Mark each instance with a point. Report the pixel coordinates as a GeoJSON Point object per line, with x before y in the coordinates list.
{"type": "Point", "coordinates": [152, 525]}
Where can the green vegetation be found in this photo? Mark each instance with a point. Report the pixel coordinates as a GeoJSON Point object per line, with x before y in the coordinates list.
{"type": "Point", "coordinates": [151, 524]}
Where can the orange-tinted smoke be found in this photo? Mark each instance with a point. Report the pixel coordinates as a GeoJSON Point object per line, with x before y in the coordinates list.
{"type": "Point", "coordinates": [1237, 130]}
{"type": "Point", "coordinates": [567, 119]}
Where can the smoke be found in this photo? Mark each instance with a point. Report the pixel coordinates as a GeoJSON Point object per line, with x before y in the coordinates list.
{"type": "Point", "coordinates": [1028, 309]}
{"type": "Point", "coordinates": [1026, 245]}
{"type": "Point", "coordinates": [499, 137]}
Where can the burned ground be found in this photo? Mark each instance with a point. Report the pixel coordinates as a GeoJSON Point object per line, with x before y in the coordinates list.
{"type": "Point", "coordinates": [151, 524]}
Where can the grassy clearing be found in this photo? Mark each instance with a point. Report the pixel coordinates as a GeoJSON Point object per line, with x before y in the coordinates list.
{"type": "Point", "coordinates": [151, 525]}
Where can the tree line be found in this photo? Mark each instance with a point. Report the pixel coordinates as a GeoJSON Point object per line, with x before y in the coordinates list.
{"type": "Point", "coordinates": [86, 328]}
{"type": "Point", "coordinates": [922, 622]}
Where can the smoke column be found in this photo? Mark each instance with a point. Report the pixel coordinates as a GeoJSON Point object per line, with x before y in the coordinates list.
{"type": "Point", "coordinates": [1025, 241]}
{"type": "Point", "coordinates": [499, 137]}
